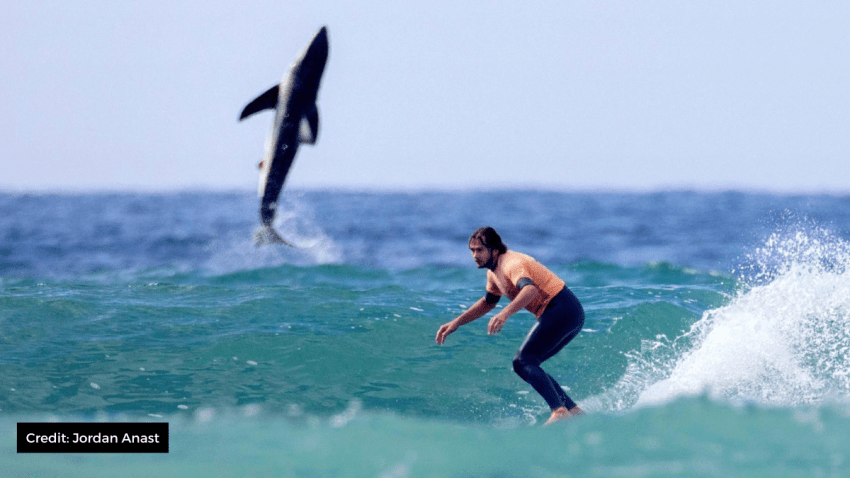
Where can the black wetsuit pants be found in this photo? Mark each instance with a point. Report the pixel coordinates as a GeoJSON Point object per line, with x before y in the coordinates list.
{"type": "Point", "coordinates": [560, 323]}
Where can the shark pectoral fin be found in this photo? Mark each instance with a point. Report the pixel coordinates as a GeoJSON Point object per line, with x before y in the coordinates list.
{"type": "Point", "coordinates": [309, 127]}
{"type": "Point", "coordinates": [267, 100]}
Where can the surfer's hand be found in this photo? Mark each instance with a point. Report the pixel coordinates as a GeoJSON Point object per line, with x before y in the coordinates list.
{"type": "Point", "coordinates": [445, 330]}
{"type": "Point", "coordinates": [496, 324]}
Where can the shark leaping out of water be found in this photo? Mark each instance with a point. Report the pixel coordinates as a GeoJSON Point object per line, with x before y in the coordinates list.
{"type": "Point", "coordinates": [296, 121]}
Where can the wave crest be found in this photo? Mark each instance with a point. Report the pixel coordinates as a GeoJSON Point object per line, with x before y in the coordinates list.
{"type": "Point", "coordinates": [782, 340]}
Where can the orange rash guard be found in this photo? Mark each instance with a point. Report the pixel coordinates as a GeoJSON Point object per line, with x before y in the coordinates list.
{"type": "Point", "coordinates": [512, 267]}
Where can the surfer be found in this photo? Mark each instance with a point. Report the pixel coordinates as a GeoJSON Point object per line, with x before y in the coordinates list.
{"type": "Point", "coordinates": [530, 285]}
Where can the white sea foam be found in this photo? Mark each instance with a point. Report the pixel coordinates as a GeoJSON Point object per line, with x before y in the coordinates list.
{"type": "Point", "coordinates": [296, 223]}
{"type": "Point", "coordinates": [783, 340]}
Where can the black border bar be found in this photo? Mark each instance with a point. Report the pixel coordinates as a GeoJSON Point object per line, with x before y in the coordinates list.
{"type": "Point", "coordinates": [92, 437]}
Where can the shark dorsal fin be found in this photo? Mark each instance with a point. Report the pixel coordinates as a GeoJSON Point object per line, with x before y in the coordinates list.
{"type": "Point", "coordinates": [267, 100]}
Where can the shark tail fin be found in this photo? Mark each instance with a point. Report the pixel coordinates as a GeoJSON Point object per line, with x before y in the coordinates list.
{"type": "Point", "coordinates": [267, 235]}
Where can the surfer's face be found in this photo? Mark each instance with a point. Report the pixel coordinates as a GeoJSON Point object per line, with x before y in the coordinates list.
{"type": "Point", "coordinates": [483, 256]}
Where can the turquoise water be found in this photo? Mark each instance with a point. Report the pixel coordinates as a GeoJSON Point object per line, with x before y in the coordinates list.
{"type": "Point", "coordinates": [316, 338]}
{"type": "Point", "coordinates": [702, 354]}
{"type": "Point", "coordinates": [687, 437]}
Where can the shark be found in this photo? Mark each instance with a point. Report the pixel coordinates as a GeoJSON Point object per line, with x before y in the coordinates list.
{"type": "Point", "coordinates": [296, 122]}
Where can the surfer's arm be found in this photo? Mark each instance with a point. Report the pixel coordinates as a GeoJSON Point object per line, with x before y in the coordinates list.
{"type": "Point", "coordinates": [528, 292]}
{"type": "Point", "coordinates": [478, 310]}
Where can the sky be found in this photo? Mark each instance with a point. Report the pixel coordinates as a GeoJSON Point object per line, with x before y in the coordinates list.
{"type": "Point", "coordinates": [590, 95]}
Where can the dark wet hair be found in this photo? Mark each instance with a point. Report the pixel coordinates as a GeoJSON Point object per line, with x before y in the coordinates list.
{"type": "Point", "coordinates": [490, 239]}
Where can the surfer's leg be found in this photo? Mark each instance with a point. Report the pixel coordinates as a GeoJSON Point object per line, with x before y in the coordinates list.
{"type": "Point", "coordinates": [561, 322]}
{"type": "Point", "coordinates": [537, 348]}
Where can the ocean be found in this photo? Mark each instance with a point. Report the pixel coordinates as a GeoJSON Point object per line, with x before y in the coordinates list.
{"type": "Point", "coordinates": [716, 340]}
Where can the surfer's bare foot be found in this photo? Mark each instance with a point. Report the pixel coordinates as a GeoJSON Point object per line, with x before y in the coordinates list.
{"type": "Point", "coordinates": [557, 414]}
{"type": "Point", "coordinates": [576, 411]}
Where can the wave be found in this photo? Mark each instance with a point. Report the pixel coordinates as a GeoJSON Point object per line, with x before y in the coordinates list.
{"type": "Point", "coordinates": [782, 340]}
{"type": "Point", "coordinates": [686, 437]}
{"type": "Point", "coordinates": [320, 335]}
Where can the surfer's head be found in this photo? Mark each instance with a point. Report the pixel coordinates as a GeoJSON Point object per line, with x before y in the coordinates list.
{"type": "Point", "coordinates": [486, 245]}
{"type": "Point", "coordinates": [489, 238]}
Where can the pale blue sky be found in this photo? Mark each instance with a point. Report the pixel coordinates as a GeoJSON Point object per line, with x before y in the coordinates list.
{"type": "Point", "coordinates": [440, 94]}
